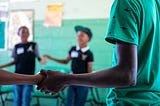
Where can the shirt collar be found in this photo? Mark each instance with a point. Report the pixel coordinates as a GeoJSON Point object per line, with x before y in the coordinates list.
{"type": "Point", "coordinates": [82, 49]}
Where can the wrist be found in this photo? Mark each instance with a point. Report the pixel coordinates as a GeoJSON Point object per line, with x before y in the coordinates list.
{"type": "Point", "coordinates": [69, 79]}
{"type": "Point", "coordinates": [38, 79]}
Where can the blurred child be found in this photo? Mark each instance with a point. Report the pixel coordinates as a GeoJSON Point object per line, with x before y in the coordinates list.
{"type": "Point", "coordinates": [24, 55]}
{"type": "Point", "coordinates": [81, 62]}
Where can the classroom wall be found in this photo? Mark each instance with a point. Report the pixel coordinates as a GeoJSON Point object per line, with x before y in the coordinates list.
{"type": "Point", "coordinates": [57, 41]}
{"type": "Point", "coordinates": [73, 9]}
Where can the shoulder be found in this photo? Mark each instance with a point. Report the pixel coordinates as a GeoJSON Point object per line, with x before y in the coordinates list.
{"type": "Point", "coordinates": [89, 52]}
{"type": "Point", "coordinates": [18, 45]}
{"type": "Point", "coordinates": [32, 43]}
{"type": "Point", "coordinates": [127, 5]}
{"type": "Point", "coordinates": [133, 4]}
{"type": "Point", "coordinates": [73, 48]}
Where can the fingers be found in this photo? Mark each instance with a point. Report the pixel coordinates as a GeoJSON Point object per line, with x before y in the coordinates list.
{"type": "Point", "coordinates": [43, 72]}
{"type": "Point", "coordinates": [45, 56]}
{"type": "Point", "coordinates": [63, 88]}
{"type": "Point", "coordinates": [43, 61]}
{"type": "Point", "coordinates": [42, 75]}
{"type": "Point", "coordinates": [51, 91]}
{"type": "Point", "coordinates": [40, 86]}
{"type": "Point", "coordinates": [51, 84]}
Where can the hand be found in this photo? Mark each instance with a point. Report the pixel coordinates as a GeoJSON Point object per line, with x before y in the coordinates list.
{"type": "Point", "coordinates": [54, 82]}
{"type": "Point", "coordinates": [43, 60]}
{"type": "Point", "coordinates": [40, 78]}
{"type": "Point", "coordinates": [46, 56]}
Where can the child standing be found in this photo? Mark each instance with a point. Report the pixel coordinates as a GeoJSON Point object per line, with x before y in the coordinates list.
{"type": "Point", "coordinates": [24, 55]}
{"type": "Point", "coordinates": [81, 62]}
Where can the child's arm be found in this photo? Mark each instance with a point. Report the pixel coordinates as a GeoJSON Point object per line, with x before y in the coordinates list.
{"type": "Point", "coordinates": [65, 61]}
{"type": "Point", "coordinates": [36, 51]}
{"type": "Point", "coordinates": [8, 78]}
{"type": "Point", "coordinates": [14, 55]}
{"type": "Point", "coordinates": [8, 64]}
{"type": "Point", "coordinates": [90, 64]}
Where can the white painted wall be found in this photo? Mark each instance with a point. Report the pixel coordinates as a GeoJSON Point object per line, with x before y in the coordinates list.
{"type": "Point", "coordinates": [73, 9]}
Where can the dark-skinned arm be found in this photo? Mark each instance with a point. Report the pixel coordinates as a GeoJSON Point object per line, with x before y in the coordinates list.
{"type": "Point", "coordinates": [90, 64]}
{"type": "Point", "coordinates": [8, 78]}
{"type": "Point", "coordinates": [63, 61]}
{"type": "Point", "coordinates": [122, 75]}
{"type": "Point", "coordinates": [9, 64]}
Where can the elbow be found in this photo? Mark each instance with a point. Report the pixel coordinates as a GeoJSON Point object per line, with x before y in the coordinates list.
{"type": "Point", "coordinates": [130, 82]}
{"type": "Point", "coordinates": [129, 78]}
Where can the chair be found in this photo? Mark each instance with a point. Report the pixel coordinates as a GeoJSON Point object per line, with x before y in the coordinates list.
{"type": "Point", "coordinates": [60, 100]}
{"type": "Point", "coordinates": [4, 92]}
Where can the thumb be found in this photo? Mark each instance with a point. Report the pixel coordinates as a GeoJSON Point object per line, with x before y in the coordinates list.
{"type": "Point", "coordinates": [43, 72]}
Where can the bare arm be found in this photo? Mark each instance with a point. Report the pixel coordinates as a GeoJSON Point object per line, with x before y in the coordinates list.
{"type": "Point", "coordinates": [8, 78]}
{"type": "Point", "coordinates": [90, 64]}
{"type": "Point", "coordinates": [124, 74]}
{"type": "Point", "coordinates": [65, 61]}
{"type": "Point", "coordinates": [8, 64]}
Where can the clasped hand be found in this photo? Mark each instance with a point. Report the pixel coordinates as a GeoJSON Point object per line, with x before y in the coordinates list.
{"type": "Point", "coordinates": [53, 82]}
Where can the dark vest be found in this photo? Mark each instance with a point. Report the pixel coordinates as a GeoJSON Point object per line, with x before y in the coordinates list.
{"type": "Point", "coordinates": [25, 58]}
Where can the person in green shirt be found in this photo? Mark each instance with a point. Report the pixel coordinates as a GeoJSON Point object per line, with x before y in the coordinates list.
{"type": "Point", "coordinates": [134, 29]}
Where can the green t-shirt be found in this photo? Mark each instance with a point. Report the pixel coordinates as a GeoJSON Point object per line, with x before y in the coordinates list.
{"type": "Point", "coordinates": [137, 22]}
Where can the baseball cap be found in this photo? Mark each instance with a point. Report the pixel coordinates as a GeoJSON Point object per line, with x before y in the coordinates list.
{"type": "Point", "coordinates": [84, 29]}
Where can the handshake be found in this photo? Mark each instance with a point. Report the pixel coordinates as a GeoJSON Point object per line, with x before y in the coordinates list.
{"type": "Point", "coordinates": [47, 81]}
{"type": "Point", "coordinates": [51, 82]}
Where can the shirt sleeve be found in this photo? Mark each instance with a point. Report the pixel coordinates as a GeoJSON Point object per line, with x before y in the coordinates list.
{"type": "Point", "coordinates": [123, 24]}
{"type": "Point", "coordinates": [36, 51]}
{"type": "Point", "coordinates": [70, 51]}
{"type": "Point", "coordinates": [90, 58]}
{"type": "Point", "coordinates": [14, 55]}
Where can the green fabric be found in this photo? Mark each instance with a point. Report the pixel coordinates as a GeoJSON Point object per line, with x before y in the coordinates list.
{"type": "Point", "coordinates": [137, 22]}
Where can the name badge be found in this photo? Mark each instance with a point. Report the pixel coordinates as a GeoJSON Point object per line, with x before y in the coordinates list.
{"type": "Point", "coordinates": [74, 54]}
{"type": "Point", "coordinates": [20, 50]}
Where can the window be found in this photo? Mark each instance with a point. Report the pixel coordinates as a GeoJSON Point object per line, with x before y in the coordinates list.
{"type": "Point", "coordinates": [3, 24]}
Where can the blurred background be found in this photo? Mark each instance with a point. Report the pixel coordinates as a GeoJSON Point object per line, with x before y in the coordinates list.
{"type": "Point", "coordinates": [51, 24]}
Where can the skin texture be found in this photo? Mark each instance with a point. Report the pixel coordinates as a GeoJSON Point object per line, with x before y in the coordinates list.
{"type": "Point", "coordinates": [8, 78]}
{"type": "Point", "coordinates": [122, 75]}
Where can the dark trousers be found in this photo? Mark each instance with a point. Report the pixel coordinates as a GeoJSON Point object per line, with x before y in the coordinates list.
{"type": "Point", "coordinates": [76, 95]}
